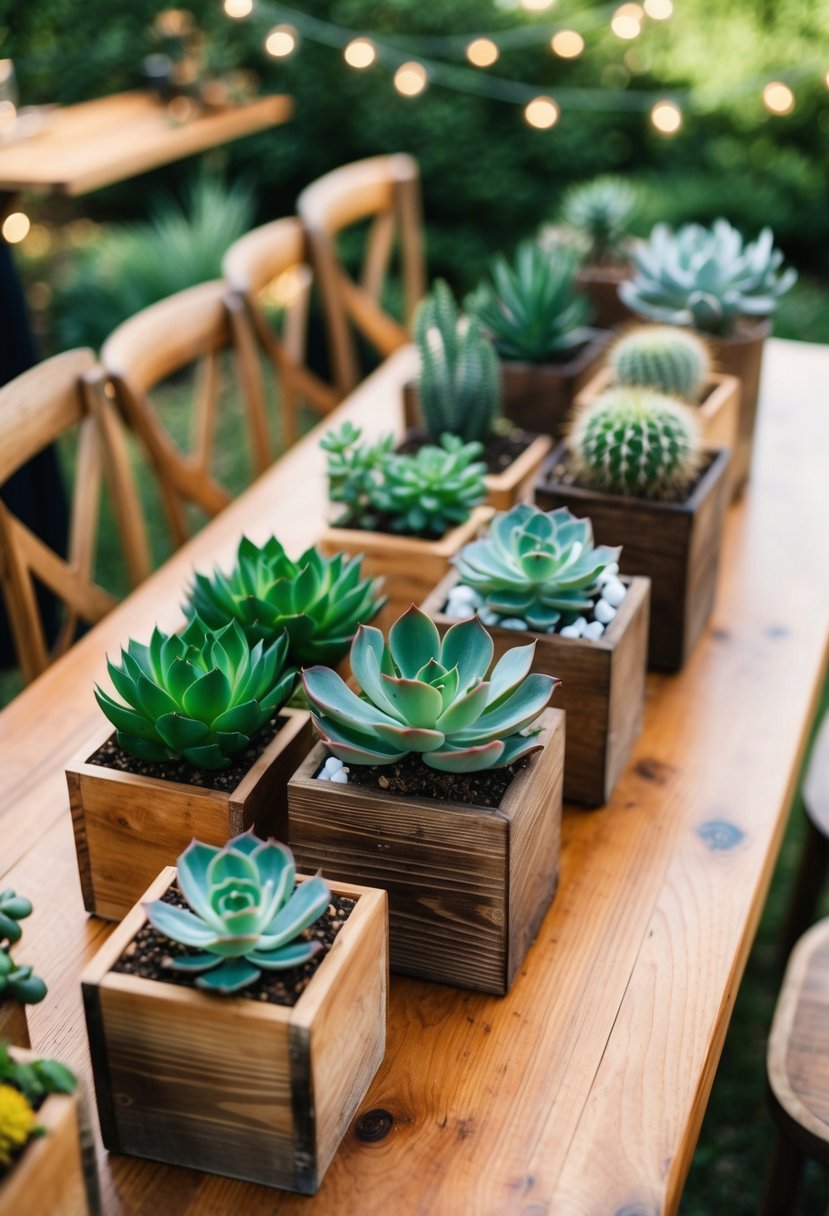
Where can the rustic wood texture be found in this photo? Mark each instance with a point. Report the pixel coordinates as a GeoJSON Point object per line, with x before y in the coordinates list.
{"type": "Point", "coordinates": [583, 1091]}
{"type": "Point", "coordinates": [601, 286]}
{"type": "Point", "coordinates": [235, 1086]}
{"type": "Point", "coordinates": [539, 397]}
{"type": "Point", "coordinates": [467, 885]}
{"type": "Point", "coordinates": [675, 545]}
{"type": "Point", "coordinates": [128, 827]}
{"type": "Point", "coordinates": [813, 867]}
{"type": "Point", "coordinates": [742, 356]}
{"type": "Point", "coordinates": [14, 1026]}
{"type": "Point", "coordinates": [93, 144]}
{"type": "Point", "coordinates": [602, 687]}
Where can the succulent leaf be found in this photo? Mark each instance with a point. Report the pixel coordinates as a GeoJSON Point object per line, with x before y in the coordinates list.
{"type": "Point", "coordinates": [601, 212]}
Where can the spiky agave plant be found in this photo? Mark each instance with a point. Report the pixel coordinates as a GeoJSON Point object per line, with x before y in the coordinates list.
{"type": "Point", "coordinates": [430, 696]}
{"type": "Point", "coordinates": [536, 565]}
{"type": "Point", "coordinates": [671, 360]}
{"type": "Point", "coordinates": [602, 212]}
{"type": "Point", "coordinates": [245, 914]}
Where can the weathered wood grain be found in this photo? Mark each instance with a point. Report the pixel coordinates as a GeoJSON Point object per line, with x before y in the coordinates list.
{"type": "Point", "coordinates": [14, 1028]}
{"type": "Point", "coordinates": [538, 397]}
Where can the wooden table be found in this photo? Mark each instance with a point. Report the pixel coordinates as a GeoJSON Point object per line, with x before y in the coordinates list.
{"type": "Point", "coordinates": [582, 1093]}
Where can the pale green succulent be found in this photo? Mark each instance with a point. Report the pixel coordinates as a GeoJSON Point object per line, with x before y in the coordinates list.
{"type": "Point", "coordinates": [199, 695]}
{"type": "Point", "coordinates": [246, 912]}
{"type": "Point", "coordinates": [430, 696]}
{"type": "Point", "coordinates": [319, 601]}
{"type": "Point", "coordinates": [536, 565]}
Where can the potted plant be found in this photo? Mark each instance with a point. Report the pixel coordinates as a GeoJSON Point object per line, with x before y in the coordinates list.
{"type": "Point", "coordinates": [19, 986]}
{"type": "Point", "coordinates": [203, 745]}
{"type": "Point", "coordinates": [601, 213]}
{"type": "Point", "coordinates": [538, 574]}
{"type": "Point", "coordinates": [711, 280]}
{"type": "Point", "coordinates": [235, 1020]}
{"type": "Point", "coordinates": [448, 795]}
{"type": "Point", "coordinates": [42, 1167]}
{"type": "Point", "coordinates": [408, 514]}
{"type": "Point", "coordinates": [458, 392]}
{"type": "Point", "coordinates": [537, 321]}
{"type": "Point", "coordinates": [633, 464]}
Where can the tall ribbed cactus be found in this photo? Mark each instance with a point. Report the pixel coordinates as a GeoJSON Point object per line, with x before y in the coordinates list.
{"type": "Point", "coordinates": [635, 442]}
{"type": "Point", "coordinates": [460, 390]}
{"type": "Point", "coordinates": [664, 358]}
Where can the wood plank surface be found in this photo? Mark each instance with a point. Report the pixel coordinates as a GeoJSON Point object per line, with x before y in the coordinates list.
{"type": "Point", "coordinates": [86, 146]}
{"type": "Point", "coordinates": [582, 1092]}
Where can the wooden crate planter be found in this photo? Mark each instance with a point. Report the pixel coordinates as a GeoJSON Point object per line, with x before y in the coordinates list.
{"type": "Point", "coordinates": [600, 283]}
{"type": "Point", "coordinates": [410, 566]}
{"type": "Point", "coordinates": [602, 686]}
{"type": "Point", "coordinates": [674, 544]}
{"type": "Point", "coordinates": [741, 355]}
{"type": "Point", "coordinates": [14, 1025]}
{"type": "Point", "coordinates": [236, 1086]}
{"type": "Point", "coordinates": [55, 1175]}
{"type": "Point", "coordinates": [539, 396]}
{"type": "Point", "coordinates": [128, 827]}
{"type": "Point", "coordinates": [468, 886]}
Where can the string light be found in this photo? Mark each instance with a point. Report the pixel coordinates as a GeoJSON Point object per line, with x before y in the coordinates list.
{"type": "Point", "coordinates": [238, 8]}
{"type": "Point", "coordinates": [666, 117]}
{"type": "Point", "coordinates": [410, 79]}
{"type": "Point", "coordinates": [15, 227]}
{"type": "Point", "coordinates": [826, 80]}
{"type": "Point", "coordinates": [360, 53]}
{"type": "Point", "coordinates": [778, 98]}
{"type": "Point", "coordinates": [482, 52]}
{"type": "Point", "coordinates": [567, 44]}
{"type": "Point", "coordinates": [659, 10]}
{"type": "Point", "coordinates": [537, 6]}
{"type": "Point", "coordinates": [542, 112]}
{"type": "Point", "coordinates": [625, 25]}
{"type": "Point", "coordinates": [281, 41]}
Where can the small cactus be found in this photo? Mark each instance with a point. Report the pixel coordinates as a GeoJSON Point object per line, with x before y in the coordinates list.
{"type": "Point", "coordinates": [664, 358]}
{"type": "Point", "coordinates": [635, 442]}
{"type": "Point", "coordinates": [460, 390]}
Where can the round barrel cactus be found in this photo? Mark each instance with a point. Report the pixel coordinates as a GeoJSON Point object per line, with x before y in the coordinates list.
{"type": "Point", "coordinates": [664, 358]}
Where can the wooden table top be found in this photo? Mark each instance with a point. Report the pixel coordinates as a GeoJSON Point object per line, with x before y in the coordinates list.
{"type": "Point", "coordinates": [581, 1093]}
{"type": "Point", "coordinates": [96, 143]}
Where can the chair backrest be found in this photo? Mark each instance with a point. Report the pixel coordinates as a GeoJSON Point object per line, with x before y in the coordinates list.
{"type": "Point", "coordinates": [385, 189]}
{"type": "Point", "coordinates": [271, 262]}
{"type": "Point", "coordinates": [36, 409]}
{"type": "Point", "coordinates": [191, 329]}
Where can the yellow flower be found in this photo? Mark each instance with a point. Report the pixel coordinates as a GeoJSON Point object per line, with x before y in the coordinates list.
{"type": "Point", "coordinates": [17, 1123]}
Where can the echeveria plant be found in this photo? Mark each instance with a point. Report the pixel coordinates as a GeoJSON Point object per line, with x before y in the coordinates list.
{"type": "Point", "coordinates": [13, 909]}
{"type": "Point", "coordinates": [17, 980]}
{"type": "Point", "coordinates": [430, 696]}
{"type": "Point", "coordinates": [246, 912]}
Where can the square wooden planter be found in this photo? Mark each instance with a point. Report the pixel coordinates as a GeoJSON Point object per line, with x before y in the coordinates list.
{"type": "Point", "coordinates": [674, 544]}
{"type": "Point", "coordinates": [55, 1175]}
{"type": "Point", "coordinates": [410, 566]}
{"type": "Point", "coordinates": [468, 886]}
{"type": "Point", "coordinates": [14, 1025]}
{"type": "Point", "coordinates": [232, 1085]}
{"type": "Point", "coordinates": [602, 686]}
{"type": "Point", "coordinates": [516, 483]}
{"type": "Point", "coordinates": [539, 396]}
{"type": "Point", "coordinates": [741, 355]}
{"type": "Point", "coordinates": [600, 283]}
{"type": "Point", "coordinates": [128, 827]}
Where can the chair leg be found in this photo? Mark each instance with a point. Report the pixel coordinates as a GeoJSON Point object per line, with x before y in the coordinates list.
{"type": "Point", "coordinates": [783, 1180]}
{"type": "Point", "coordinates": [811, 875]}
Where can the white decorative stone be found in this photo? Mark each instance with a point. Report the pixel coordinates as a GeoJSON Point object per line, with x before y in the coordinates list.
{"type": "Point", "coordinates": [323, 776]}
{"type": "Point", "coordinates": [570, 631]}
{"type": "Point", "coordinates": [604, 612]}
{"type": "Point", "coordinates": [513, 622]}
{"type": "Point", "coordinates": [608, 573]}
{"type": "Point", "coordinates": [488, 617]}
{"type": "Point", "coordinates": [593, 631]}
{"type": "Point", "coordinates": [332, 765]}
{"type": "Point", "coordinates": [340, 777]}
{"type": "Point", "coordinates": [464, 594]}
{"type": "Point", "coordinates": [456, 612]}
{"type": "Point", "coordinates": [614, 592]}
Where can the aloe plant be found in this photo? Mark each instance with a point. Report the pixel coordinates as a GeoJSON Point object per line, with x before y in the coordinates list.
{"type": "Point", "coordinates": [199, 695]}
{"type": "Point", "coordinates": [245, 913]}
{"type": "Point", "coordinates": [430, 696]}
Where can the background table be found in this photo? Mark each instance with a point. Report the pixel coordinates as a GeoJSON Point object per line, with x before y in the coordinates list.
{"type": "Point", "coordinates": [582, 1093]}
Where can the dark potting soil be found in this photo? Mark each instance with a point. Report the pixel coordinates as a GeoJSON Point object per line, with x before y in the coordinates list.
{"type": "Point", "coordinates": [376, 521]}
{"type": "Point", "coordinates": [149, 952]}
{"type": "Point", "coordinates": [500, 450]}
{"type": "Point", "coordinates": [223, 779]}
{"type": "Point", "coordinates": [562, 473]}
{"type": "Point", "coordinates": [410, 776]}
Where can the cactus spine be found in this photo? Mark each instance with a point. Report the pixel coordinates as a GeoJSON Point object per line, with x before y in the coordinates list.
{"type": "Point", "coordinates": [664, 358]}
{"type": "Point", "coordinates": [460, 389]}
{"type": "Point", "coordinates": [636, 442]}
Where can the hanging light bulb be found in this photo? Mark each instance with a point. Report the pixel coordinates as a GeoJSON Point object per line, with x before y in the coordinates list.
{"type": "Point", "coordinates": [659, 10]}
{"type": "Point", "coordinates": [666, 117]}
{"type": "Point", "coordinates": [410, 79]}
{"type": "Point", "coordinates": [542, 113]}
{"type": "Point", "coordinates": [567, 44]}
{"type": "Point", "coordinates": [778, 97]}
{"type": "Point", "coordinates": [537, 6]}
{"type": "Point", "coordinates": [281, 41]}
{"type": "Point", "coordinates": [360, 53]}
{"type": "Point", "coordinates": [482, 52]}
{"type": "Point", "coordinates": [238, 8]}
{"type": "Point", "coordinates": [627, 21]}
{"type": "Point", "coordinates": [15, 227]}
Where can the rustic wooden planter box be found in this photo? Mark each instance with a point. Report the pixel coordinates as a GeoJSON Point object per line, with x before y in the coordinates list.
{"type": "Point", "coordinates": [675, 545]}
{"type": "Point", "coordinates": [741, 355]}
{"type": "Point", "coordinates": [128, 827]}
{"type": "Point", "coordinates": [516, 483]}
{"type": "Point", "coordinates": [14, 1025]}
{"type": "Point", "coordinates": [236, 1086]}
{"type": "Point", "coordinates": [410, 566]}
{"type": "Point", "coordinates": [539, 396]}
{"type": "Point", "coordinates": [601, 285]}
{"type": "Point", "coordinates": [468, 886]}
{"type": "Point", "coordinates": [602, 686]}
{"type": "Point", "coordinates": [52, 1177]}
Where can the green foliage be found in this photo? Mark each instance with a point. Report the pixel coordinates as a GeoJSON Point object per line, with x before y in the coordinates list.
{"type": "Point", "coordinates": [670, 360]}
{"type": "Point", "coordinates": [420, 494]}
{"type": "Point", "coordinates": [17, 981]}
{"type": "Point", "coordinates": [430, 696]}
{"type": "Point", "coordinates": [531, 308]}
{"type": "Point", "coordinates": [602, 213]}
{"type": "Point", "coordinates": [13, 909]}
{"type": "Point", "coordinates": [199, 696]}
{"type": "Point", "coordinates": [636, 442]}
{"type": "Point", "coordinates": [318, 601]}
{"type": "Point", "coordinates": [18, 1124]}
{"type": "Point", "coordinates": [536, 565]}
{"type": "Point", "coordinates": [459, 383]}
{"type": "Point", "coordinates": [246, 915]}
{"type": "Point", "coordinates": [706, 277]}
{"type": "Point", "coordinates": [36, 1079]}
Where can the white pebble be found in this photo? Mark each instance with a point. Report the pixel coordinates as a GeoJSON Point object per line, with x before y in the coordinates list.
{"type": "Point", "coordinates": [604, 612]}
{"type": "Point", "coordinates": [593, 631]}
{"type": "Point", "coordinates": [465, 595]}
{"type": "Point", "coordinates": [456, 612]}
{"type": "Point", "coordinates": [332, 765]}
{"type": "Point", "coordinates": [608, 573]}
{"type": "Point", "coordinates": [613, 592]}
{"type": "Point", "coordinates": [570, 631]}
{"type": "Point", "coordinates": [323, 776]}
{"type": "Point", "coordinates": [488, 617]}
{"type": "Point", "coordinates": [512, 622]}
{"type": "Point", "coordinates": [340, 777]}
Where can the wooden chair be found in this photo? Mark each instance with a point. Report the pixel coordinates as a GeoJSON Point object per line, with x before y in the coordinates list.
{"type": "Point", "coordinates": [36, 409]}
{"type": "Point", "coordinates": [192, 327]}
{"type": "Point", "coordinates": [385, 189]}
{"type": "Point", "coordinates": [254, 265]}
{"type": "Point", "coordinates": [814, 858]}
